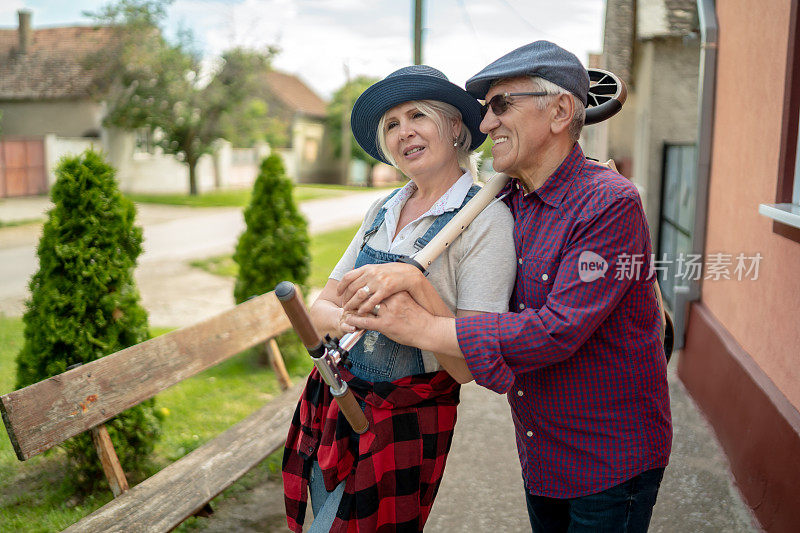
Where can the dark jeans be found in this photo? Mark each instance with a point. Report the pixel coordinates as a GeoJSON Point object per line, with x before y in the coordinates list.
{"type": "Point", "coordinates": [625, 508]}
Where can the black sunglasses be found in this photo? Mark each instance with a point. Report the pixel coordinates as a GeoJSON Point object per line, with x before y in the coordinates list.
{"type": "Point", "coordinates": [499, 102]}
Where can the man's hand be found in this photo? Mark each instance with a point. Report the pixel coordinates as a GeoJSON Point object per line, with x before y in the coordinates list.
{"type": "Point", "coordinates": [365, 287]}
{"type": "Point", "coordinates": [399, 317]}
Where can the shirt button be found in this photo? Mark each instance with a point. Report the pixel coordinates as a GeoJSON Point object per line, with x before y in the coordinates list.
{"type": "Point", "coordinates": [545, 276]}
{"type": "Point", "coordinates": [519, 260]}
{"type": "Point", "coordinates": [522, 306]}
{"type": "Point", "coordinates": [520, 393]}
{"type": "Point", "coordinates": [530, 433]}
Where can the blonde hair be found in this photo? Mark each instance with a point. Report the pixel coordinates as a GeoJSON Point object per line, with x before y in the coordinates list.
{"type": "Point", "coordinates": [441, 113]}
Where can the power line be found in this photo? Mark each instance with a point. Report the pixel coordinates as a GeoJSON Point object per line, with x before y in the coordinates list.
{"type": "Point", "coordinates": [472, 27]}
{"type": "Point", "coordinates": [468, 18]}
{"type": "Point", "coordinates": [526, 21]}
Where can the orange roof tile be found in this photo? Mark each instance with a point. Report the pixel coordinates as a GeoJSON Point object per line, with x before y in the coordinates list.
{"type": "Point", "coordinates": [53, 67]}
{"type": "Point", "coordinates": [295, 94]}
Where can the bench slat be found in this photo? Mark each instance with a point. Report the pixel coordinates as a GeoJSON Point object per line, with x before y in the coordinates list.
{"type": "Point", "coordinates": [164, 500]}
{"type": "Point", "coordinates": [45, 414]}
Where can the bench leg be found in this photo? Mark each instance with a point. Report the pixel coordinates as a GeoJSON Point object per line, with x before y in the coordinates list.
{"type": "Point", "coordinates": [108, 458]}
{"type": "Point", "coordinates": [276, 362]}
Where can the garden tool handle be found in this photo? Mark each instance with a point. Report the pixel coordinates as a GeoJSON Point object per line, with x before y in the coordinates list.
{"type": "Point", "coordinates": [298, 315]}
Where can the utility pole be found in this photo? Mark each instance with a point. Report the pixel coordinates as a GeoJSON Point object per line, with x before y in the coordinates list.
{"type": "Point", "coordinates": [417, 32]}
{"type": "Point", "coordinates": [346, 145]}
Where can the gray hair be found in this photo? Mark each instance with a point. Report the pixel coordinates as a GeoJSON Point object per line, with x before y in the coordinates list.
{"type": "Point", "coordinates": [578, 116]}
{"type": "Point", "coordinates": [441, 113]}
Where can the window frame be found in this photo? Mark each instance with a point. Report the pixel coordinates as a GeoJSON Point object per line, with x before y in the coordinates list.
{"type": "Point", "coordinates": [788, 187]}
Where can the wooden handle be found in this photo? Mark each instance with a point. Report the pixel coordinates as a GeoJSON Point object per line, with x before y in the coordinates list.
{"type": "Point", "coordinates": [352, 412]}
{"type": "Point", "coordinates": [298, 315]}
{"type": "Point", "coordinates": [460, 221]}
{"type": "Point", "coordinates": [301, 320]}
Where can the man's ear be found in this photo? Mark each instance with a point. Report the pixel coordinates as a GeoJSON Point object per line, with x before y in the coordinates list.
{"type": "Point", "coordinates": [563, 110]}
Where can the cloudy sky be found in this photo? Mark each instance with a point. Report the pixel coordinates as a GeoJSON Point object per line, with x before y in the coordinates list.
{"type": "Point", "coordinates": [373, 37]}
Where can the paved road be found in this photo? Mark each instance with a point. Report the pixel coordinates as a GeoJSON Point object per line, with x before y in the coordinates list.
{"type": "Point", "coordinates": [171, 235]}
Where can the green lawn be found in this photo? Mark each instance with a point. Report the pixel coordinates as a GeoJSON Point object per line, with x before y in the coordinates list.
{"type": "Point", "coordinates": [23, 222]}
{"type": "Point", "coordinates": [241, 197]}
{"type": "Point", "coordinates": [36, 496]}
{"type": "Point", "coordinates": [326, 249]}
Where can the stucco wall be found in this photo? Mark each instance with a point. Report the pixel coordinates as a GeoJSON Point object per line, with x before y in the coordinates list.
{"type": "Point", "coordinates": [763, 315]}
{"type": "Point", "coordinates": [153, 173]}
{"type": "Point", "coordinates": [65, 119]}
{"type": "Point", "coordinates": [666, 70]}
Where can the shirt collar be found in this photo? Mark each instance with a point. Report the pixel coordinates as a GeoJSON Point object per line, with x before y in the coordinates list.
{"type": "Point", "coordinates": [450, 200]}
{"type": "Point", "coordinates": [553, 190]}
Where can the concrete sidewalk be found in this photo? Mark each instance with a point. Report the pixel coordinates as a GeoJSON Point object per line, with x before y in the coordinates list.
{"type": "Point", "coordinates": [482, 486]}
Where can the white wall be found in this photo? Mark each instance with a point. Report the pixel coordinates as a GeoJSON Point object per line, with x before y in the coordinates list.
{"type": "Point", "coordinates": [62, 118]}
{"type": "Point", "coordinates": [163, 173]}
{"type": "Point", "coordinates": [227, 168]}
{"type": "Point", "coordinates": [57, 147]}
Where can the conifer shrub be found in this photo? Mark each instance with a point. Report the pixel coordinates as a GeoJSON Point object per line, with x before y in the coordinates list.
{"type": "Point", "coordinates": [275, 244]}
{"type": "Point", "coordinates": [84, 303]}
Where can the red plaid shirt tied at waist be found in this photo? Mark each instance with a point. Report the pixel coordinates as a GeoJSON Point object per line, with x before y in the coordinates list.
{"type": "Point", "coordinates": [579, 355]}
{"type": "Point", "coordinates": [392, 472]}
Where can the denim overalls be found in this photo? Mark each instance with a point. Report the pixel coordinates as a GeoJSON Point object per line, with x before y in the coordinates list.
{"type": "Point", "coordinates": [377, 357]}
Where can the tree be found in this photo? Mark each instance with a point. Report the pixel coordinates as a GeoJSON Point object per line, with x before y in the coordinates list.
{"type": "Point", "coordinates": [275, 245]}
{"type": "Point", "coordinates": [248, 122]}
{"type": "Point", "coordinates": [150, 82]}
{"type": "Point", "coordinates": [84, 303]}
{"type": "Point", "coordinates": [348, 92]}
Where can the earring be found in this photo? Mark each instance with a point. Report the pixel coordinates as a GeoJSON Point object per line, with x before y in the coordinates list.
{"type": "Point", "coordinates": [455, 142]}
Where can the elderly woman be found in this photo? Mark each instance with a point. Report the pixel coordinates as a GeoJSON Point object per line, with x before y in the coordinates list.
{"type": "Point", "coordinates": [387, 478]}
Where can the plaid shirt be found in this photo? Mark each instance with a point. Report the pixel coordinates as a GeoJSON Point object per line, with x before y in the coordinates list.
{"type": "Point", "coordinates": [392, 472]}
{"type": "Point", "coordinates": [579, 355]}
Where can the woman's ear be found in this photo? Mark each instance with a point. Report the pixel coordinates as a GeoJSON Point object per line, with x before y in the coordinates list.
{"type": "Point", "coordinates": [456, 128]}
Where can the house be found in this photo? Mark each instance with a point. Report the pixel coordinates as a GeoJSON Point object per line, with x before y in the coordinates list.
{"type": "Point", "coordinates": [710, 136]}
{"type": "Point", "coordinates": [43, 91]}
{"type": "Point", "coordinates": [48, 111]}
{"type": "Point", "coordinates": [654, 46]}
{"type": "Point", "coordinates": [742, 327]}
{"type": "Point", "coordinates": [308, 156]}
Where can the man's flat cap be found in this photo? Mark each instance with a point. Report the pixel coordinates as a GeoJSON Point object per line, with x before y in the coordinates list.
{"type": "Point", "coordinates": [541, 58]}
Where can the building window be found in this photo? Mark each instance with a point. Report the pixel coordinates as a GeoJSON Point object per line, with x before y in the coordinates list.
{"type": "Point", "coordinates": [310, 150]}
{"type": "Point", "coordinates": [144, 141]}
{"type": "Point", "coordinates": [785, 212]}
{"type": "Point", "coordinates": [796, 188]}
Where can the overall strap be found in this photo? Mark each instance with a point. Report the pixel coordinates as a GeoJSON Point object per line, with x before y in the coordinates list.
{"type": "Point", "coordinates": [443, 219]}
{"type": "Point", "coordinates": [378, 220]}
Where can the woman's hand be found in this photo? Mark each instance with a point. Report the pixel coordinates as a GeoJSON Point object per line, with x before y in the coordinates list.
{"type": "Point", "coordinates": [344, 327]}
{"type": "Point", "coordinates": [399, 317]}
{"type": "Point", "coordinates": [365, 287]}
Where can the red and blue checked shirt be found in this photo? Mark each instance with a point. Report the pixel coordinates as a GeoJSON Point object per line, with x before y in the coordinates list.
{"type": "Point", "coordinates": [579, 354]}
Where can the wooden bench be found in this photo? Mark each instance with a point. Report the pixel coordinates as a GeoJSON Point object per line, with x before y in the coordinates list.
{"type": "Point", "coordinates": [45, 414]}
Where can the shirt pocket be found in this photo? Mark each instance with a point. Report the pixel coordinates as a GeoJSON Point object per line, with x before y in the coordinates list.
{"type": "Point", "coordinates": [537, 274]}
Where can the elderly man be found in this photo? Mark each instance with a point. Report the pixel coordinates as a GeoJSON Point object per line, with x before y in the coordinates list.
{"type": "Point", "coordinates": [580, 355]}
